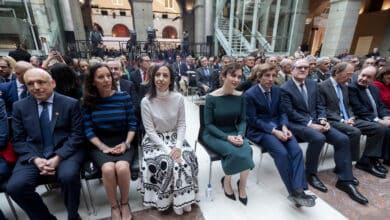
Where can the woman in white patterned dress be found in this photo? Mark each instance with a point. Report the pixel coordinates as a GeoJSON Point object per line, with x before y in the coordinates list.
{"type": "Point", "coordinates": [169, 166]}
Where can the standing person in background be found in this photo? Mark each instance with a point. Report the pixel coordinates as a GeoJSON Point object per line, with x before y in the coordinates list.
{"type": "Point", "coordinates": [225, 127]}
{"type": "Point", "coordinates": [96, 38]}
{"type": "Point", "coordinates": [20, 53]}
{"type": "Point", "coordinates": [169, 166]}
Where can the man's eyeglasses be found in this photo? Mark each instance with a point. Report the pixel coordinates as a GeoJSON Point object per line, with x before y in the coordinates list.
{"type": "Point", "coordinates": [302, 67]}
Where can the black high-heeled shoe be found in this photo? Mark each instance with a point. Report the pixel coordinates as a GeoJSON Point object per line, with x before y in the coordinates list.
{"type": "Point", "coordinates": [231, 196]}
{"type": "Point", "coordinates": [242, 200]}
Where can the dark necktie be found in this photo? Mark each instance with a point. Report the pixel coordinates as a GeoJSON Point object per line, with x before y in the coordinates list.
{"type": "Point", "coordinates": [304, 94]}
{"type": "Point", "coordinates": [341, 102]}
{"type": "Point", "coordinates": [372, 101]}
{"type": "Point", "coordinates": [268, 98]}
{"type": "Point", "coordinates": [24, 92]}
{"type": "Point", "coordinates": [47, 138]}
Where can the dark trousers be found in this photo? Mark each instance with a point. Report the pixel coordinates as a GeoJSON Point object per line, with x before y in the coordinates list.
{"type": "Point", "coordinates": [316, 140]}
{"type": "Point", "coordinates": [288, 159]}
{"type": "Point", "coordinates": [375, 133]}
{"type": "Point", "coordinates": [25, 178]}
{"type": "Point", "coordinates": [386, 145]}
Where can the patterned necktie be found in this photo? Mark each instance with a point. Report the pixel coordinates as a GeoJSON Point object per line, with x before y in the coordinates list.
{"type": "Point", "coordinates": [304, 94]}
{"type": "Point", "coordinates": [268, 98]}
{"type": "Point", "coordinates": [47, 138]}
{"type": "Point", "coordinates": [341, 103]}
{"type": "Point", "coordinates": [372, 101]}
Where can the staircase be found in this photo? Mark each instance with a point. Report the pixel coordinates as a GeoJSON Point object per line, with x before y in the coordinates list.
{"type": "Point", "coordinates": [240, 45]}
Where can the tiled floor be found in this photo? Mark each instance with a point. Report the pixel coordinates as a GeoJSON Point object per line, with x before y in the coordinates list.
{"type": "Point", "coordinates": [266, 200]}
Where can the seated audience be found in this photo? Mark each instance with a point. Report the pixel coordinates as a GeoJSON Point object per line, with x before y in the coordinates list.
{"type": "Point", "coordinates": [267, 126]}
{"type": "Point", "coordinates": [169, 166]}
{"type": "Point", "coordinates": [47, 137]}
{"type": "Point", "coordinates": [225, 126]}
{"type": "Point", "coordinates": [383, 84]}
{"type": "Point", "coordinates": [323, 69]}
{"type": "Point", "coordinates": [307, 120]}
{"type": "Point", "coordinates": [367, 105]}
{"type": "Point", "coordinates": [110, 125]}
{"type": "Point", "coordinates": [5, 167]}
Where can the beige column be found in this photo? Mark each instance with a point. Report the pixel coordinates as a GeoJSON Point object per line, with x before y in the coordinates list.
{"type": "Point", "coordinates": [342, 20]}
{"type": "Point", "coordinates": [199, 12]}
{"type": "Point", "coordinates": [143, 17]}
{"type": "Point", "coordinates": [72, 18]}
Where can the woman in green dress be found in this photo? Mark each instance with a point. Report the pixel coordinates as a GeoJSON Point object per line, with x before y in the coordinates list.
{"type": "Point", "coordinates": [225, 125]}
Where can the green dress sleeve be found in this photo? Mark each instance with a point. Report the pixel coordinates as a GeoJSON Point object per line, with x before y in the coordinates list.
{"type": "Point", "coordinates": [209, 119]}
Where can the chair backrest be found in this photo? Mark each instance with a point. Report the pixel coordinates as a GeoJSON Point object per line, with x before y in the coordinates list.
{"type": "Point", "coordinates": [191, 78]}
{"type": "Point", "coordinates": [201, 122]}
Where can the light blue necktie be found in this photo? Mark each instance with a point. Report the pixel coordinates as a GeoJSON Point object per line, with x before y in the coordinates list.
{"type": "Point", "coordinates": [372, 101]}
{"type": "Point", "coordinates": [341, 103]}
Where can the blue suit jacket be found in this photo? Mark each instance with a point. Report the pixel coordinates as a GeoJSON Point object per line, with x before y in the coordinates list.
{"type": "Point", "coordinates": [361, 104]}
{"type": "Point", "coordinates": [66, 126]}
{"type": "Point", "coordinates": [295, 106]}
{"type": "Point", "coordinates": [3, 126]}
{"type": "Point", "coordinates": [262, 119]}
{"type": "Point", "coordinates": [9, 94]}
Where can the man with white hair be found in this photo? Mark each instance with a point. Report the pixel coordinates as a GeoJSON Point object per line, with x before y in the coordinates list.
{"type": "Point", "coordinates": [47, 138]}
{"type": "Point", "coordinates": [284, 73]}
{"type": "Point", "coordinates": [323, 71]}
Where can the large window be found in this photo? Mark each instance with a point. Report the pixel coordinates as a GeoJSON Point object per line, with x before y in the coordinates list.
{"type": "Point", "coordinates": [169, 32]}
{"type": "Point", "coordinates": [120, 30]}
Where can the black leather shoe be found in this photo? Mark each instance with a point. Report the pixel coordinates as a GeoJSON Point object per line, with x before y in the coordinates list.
{"type": "Point", "coordinates": [242, 200]}
{"type": "Point", "coordinates": [231, 196]}
{"type": "Point", "coordinates": [300, 198]}
{"type": "Point", "coordinates": [355, 181]}
{"type": "Point", "coordinates": [315, 182]}
{"type": "Point", "coordinates": [351, 190]}
{"type": "Point", "coordinates": [379, 166]}
{"type": "Point", "coordinates": [370, 169]}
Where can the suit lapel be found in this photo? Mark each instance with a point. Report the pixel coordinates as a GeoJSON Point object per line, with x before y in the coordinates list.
{"type": "Point", "coordinates": [299, 94]}
{"type": "Point", "coordinates": [274, 97]}
{"type": "Point", "coordinates": [262, 99]}
{"type": "Point", "coordinates": [55, 113]}
{"type": "Point", "coordinates": [332, 91]}
{"type": "Point", "coordinates": [35, 115]}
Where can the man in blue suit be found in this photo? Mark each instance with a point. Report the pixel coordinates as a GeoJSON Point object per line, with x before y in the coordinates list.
{"type": "Point", "coordinates": [307, 120]}
{"type": "Point", "coordinates": [15, 90]}
{"type": "Point", "coordinates": [267, 126]}
{"type": "Point", "coordinates": [47, 138]}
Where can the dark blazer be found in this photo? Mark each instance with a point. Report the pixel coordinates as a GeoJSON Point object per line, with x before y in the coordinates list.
{"type": "Point", "coordinates": [295, 106]}
{"type": "Point", "coordinates": [184, 68]}
{"type": "Point", "coordinates": [202, 79]}
{"type": "Point", "coordinates": [66, 126]}
{"type": "Point", "coordinates": [361, 104]}
{"type": "Point", "coordinates": [322, 76]}
{"type": "Point", "coordinates": [135, 78]}
{"type": "Point", "coordinates": [3, 126]}
{"type": "Point", "coordinates": [128, 86]}
{"type": "Point", "coordinates": [262, 119]}
{"type": "Point", "coordinates": [9, 94]}
{"type": "Point", "coordinates": [330, 99]}
{"type": "Point", "coordinates": [3, 80]}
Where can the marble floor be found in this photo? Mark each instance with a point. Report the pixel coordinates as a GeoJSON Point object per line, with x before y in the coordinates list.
{"type": "Point", "coordinates": [266, 199]}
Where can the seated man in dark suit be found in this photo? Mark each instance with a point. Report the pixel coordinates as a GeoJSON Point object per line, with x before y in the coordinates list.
{"type": "Point", "coordinates": [203, 76]}
{"type": "Point", "coordinates": [267, 126]}
{"type": "Point", "coordinates": [367, 105]}
{"type": "Point", "coordinates": [48, 135]}
{"type": "Point", "coordinates": [334, 94]}
{"type": "Point", "coordinates": [15, 90]}
{"type": "Point", "coordinates": [307, 121]}
{"type": "Point", "coordinates": [140, 75]}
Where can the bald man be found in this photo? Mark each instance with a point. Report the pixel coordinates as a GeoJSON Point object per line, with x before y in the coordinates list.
{"type": "Point", "coordinates": [15, 90]}
{"type": "Point", "coordinates": [47, 138]}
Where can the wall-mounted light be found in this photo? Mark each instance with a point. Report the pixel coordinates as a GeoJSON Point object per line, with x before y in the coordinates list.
{"type": "Point", "coordinates": [189, 6]}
